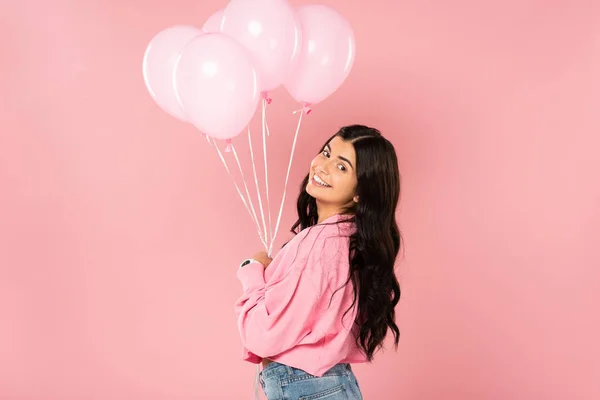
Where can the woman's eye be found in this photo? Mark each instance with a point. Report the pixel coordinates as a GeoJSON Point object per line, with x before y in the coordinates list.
{"type": "Point", "coordinates": [341, 167]}
{"type": "Point", "coordinates": [326, 153]}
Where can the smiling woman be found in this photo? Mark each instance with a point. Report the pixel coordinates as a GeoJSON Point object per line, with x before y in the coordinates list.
{"type": "Point", "coordinates": [332, 177]}
{"type": "Point", "coordinates": [327, 299]}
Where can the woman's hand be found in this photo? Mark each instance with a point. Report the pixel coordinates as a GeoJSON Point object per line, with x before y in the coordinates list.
{"type": "Point", "coordinates": [263, 258]}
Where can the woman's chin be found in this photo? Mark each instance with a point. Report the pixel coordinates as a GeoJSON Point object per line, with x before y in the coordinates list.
{"type": "Point", "coordinates": [312, 191]}
{"type": "Point", "coordinates": [309, 189]}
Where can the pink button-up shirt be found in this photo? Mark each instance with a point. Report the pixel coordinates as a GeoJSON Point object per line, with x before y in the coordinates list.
{"type": "Point", "coordinates": [289, 312]}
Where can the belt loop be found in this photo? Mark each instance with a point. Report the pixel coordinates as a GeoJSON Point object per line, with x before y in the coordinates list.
{"type": "Point", "coordinates": [349, 371]}
{"type": "Point", "coordinates": [289, 370]}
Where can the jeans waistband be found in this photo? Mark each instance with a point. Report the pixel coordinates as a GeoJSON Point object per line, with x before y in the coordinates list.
{"type": "Point", "coordinates": [275, 368]}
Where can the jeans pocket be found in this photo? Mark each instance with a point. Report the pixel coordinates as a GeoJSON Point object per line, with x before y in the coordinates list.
{"type": "Point", "coordinates": [337, 392]}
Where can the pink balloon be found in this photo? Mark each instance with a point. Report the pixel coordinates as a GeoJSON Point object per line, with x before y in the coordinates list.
{"type": "Point", "coordinates": [270, 30]}
{"type": "Point", "coordinates": [159, 65]}
{"type": "Point", "coordinates": [217, 85]}
{"type": "Point", "coordinates": [213, 23]}
{"type": "Point", "coordinates": [327, 54]}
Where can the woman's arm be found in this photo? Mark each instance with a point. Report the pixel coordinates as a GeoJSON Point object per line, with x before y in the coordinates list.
{"type": "Point", "coordinates": [275, 316]}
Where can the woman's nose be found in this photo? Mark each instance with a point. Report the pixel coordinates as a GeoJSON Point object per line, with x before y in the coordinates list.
{"type": "Point", "coordinates": [322, 168]}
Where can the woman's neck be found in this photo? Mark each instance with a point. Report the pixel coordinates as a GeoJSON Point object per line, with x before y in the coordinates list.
{"type": "Point", "coordinates": [326, 212]}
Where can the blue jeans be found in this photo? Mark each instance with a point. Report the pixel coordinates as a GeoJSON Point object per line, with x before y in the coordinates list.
{"type": "Point", "coordinates": [281, 382]}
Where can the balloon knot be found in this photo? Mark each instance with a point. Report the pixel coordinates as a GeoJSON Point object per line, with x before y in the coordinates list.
{"type": "Point", "coordinates": [265, 96]}
{"type": "Point", "coordinates": [305, 109]}
{"type": "Point", "coordinates": [229, 146]}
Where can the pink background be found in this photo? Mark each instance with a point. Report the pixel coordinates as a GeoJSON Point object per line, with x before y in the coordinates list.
{"type": "Point", "coordinates": [120, 231]}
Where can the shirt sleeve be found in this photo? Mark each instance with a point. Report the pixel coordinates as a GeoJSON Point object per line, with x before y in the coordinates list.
{"type": "Point", "coordinates": [274, 317]}
{"type": "Point", "coordinates": [252, 276]}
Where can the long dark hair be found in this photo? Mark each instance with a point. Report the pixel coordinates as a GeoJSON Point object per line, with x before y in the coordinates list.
{"type": "Point", "coordinates": [377, 241]}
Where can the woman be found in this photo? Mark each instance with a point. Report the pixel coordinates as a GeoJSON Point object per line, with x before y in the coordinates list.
{"type": "Point", "coordinates": [327, 299]}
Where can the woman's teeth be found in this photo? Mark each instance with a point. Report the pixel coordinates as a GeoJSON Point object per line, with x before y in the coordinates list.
{"type": "Point", "coordinates": [319, 181]}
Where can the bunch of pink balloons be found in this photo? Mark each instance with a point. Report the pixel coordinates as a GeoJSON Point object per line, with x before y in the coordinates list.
{"type": "Point", "coordinates": [215, 77]}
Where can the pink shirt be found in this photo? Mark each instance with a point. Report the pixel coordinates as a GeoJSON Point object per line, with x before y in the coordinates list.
{"type": "Point", "coordinates": [287, 312]}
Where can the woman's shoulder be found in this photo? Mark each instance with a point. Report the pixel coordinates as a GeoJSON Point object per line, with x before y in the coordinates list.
{"type": "Point", "coordinates": [321, 244]}
{"type": "Point", "coordinates": [336, 229]}
{"type": "Point", "coordinates": [338, 226]}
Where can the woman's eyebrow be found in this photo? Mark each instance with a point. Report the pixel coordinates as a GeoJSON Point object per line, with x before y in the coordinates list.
{"type": "Point", "coordinates": [340, 157]}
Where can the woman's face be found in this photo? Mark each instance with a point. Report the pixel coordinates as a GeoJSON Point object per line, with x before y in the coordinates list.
{"type": "Point", "coordinates": [332, 176]}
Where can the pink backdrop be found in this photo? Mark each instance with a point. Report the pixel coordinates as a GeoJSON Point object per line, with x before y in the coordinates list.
{"type": "Point", "coordinates": [120, 232]}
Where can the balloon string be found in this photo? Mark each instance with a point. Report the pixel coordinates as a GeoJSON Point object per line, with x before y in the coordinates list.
{"type": "Point", "coordinates": [237, 188]}
{"type": "Point", "coordinates": [262, 213]}
{"type": "Point", "coordinates": [265, 132]}
{"type": "Point", "coordinates": [287, 177]}
{"type": "Point", "coordinates": [262, 238]}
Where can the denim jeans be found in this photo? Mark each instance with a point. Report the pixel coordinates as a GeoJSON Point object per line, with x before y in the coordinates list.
{"type": "Point", "coordinates": [281, 382]}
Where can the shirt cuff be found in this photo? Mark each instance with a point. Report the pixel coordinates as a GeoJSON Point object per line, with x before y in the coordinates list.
{"type": "Point", "coordinates": [252, 276]}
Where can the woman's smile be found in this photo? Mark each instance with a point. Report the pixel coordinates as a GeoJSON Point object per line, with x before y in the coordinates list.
{"type": "Point", "coordinates": [317, 180]}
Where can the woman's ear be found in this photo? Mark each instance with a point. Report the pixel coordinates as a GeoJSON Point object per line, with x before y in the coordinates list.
{"type": "Point", "coordinates": [355, 199]}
